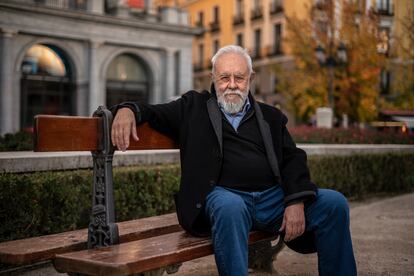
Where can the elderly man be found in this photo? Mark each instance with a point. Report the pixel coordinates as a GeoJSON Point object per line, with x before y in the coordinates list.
{"type": "Point", "coordinates": [241, 170]}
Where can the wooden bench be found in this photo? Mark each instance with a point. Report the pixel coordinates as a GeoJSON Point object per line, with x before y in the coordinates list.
{"type": "Point", "coordinates": [149, 245]}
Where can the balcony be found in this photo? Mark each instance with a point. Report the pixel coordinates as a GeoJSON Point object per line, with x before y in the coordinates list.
{"type": "Point", "coordinates": [198, 24]}
{"type": "Point", "coordinates": [276, 7]}
{"type": "Point", "coordinates": [56, 4]}
{"type": "Point", "coordinates": [238, 19]}
{"type": "Point", "coordinates": [384, 12]}
{"type": "Point", "coordinates": [215, 26]}
{"type": "Point", "coordinates": [274, 50]}
{"type": "Point", "coordinates": [257, 13]}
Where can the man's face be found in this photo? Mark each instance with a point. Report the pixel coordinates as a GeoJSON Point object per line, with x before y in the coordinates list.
{"type": "Point", "coordinates": [231, 80]}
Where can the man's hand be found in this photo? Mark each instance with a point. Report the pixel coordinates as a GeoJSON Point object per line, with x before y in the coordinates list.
{"type": "Point", "coordinates": [123, 127]}
{"type": "Point", "coordinates": [293, 221]}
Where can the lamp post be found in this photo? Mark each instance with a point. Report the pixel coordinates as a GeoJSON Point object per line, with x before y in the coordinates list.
{"type": "Point", "coordinates": [331, 61]}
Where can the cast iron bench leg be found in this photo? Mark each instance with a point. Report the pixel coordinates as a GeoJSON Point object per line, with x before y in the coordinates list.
{"type": "Point", "coordinates": [263, 253]}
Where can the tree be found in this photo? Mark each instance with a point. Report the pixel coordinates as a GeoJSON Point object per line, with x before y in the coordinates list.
{"type": "Point", "coordinates": [401, 64]}
{"type": "Point", "coordinates": [355, 84]}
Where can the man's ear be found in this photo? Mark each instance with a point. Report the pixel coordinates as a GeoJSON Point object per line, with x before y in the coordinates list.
{"type": "Point", "coordinates": [252, 76]}
{"type": "Point", "coordinates": [210, 75]}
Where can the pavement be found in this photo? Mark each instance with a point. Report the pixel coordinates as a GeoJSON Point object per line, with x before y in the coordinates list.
{"type": "Point", "coordinates": [383, 238]}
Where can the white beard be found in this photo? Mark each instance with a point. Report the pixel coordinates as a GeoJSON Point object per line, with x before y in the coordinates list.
{"type": "Point", "coordinates": [232, 107]}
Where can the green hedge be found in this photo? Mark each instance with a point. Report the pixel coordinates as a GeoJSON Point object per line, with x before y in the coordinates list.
{"type": "Point", "coordinates": [40, 203]}
{"type": "Point", "coordinates": [33, 204]}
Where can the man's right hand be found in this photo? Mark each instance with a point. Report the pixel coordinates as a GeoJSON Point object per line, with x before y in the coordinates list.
{"type": "Point", "coordinates": [123, 127]}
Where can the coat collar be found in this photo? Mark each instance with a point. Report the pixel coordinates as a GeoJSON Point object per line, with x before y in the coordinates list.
{"type": "Point", "coordinates": [267, 140]}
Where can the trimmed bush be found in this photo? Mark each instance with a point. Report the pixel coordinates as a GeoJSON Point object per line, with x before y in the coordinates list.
{"type": "Point", "coordinates": [21, 140]}
{"type": "Point", "coordinates": [33, 204]}
{"type": "Point", "coordinates": [40, 203]}
{"type": "Point", "coordinates": [358, 176]}
{"type": "Point", "coordinates": [312, 135]}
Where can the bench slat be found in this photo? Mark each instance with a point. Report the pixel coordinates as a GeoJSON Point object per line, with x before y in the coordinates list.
{"type": "Point", "coordinates": [75, 133]}
{"type": "Point", "coordinates": [142, 255]}
{"type": "Point", "coordinates": [43, 248]}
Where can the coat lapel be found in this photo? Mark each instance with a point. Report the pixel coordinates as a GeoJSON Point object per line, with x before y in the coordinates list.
{"type": "Point", "coordinates": [267, 140]}
{"type": "Point", "coordinates": [215, 117]}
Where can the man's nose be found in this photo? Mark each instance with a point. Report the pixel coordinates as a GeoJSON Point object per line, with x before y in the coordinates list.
{"type": "Point", "coordinates": [232, 84]}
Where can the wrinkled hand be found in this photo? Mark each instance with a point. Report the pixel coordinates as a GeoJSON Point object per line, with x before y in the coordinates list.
{"type": "Point", "coordinates": [123, 127]}
{"type": "Point", "coordinates": [293, 221]}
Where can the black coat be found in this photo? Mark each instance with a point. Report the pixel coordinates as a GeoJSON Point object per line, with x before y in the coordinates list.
{"type": "Point", "coordinates": [194, 120]}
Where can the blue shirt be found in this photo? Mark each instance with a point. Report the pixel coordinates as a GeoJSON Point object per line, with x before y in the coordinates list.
{"type": "Point", "coordinates": [235, 119]}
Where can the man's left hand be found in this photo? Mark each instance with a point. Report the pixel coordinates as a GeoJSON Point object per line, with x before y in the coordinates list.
{"type": "Point", "coordinates": [293, 221]}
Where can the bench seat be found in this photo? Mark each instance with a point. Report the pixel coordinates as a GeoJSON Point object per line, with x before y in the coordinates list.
{"type": "Point", "coordinates": [42, 248]}
{"type": "Point", "coordinates": [141, 255]}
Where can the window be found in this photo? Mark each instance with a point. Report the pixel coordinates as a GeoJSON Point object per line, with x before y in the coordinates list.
{"type": "Point", "coordinates": [385, 79]}
{"type": "Point", "coordinates": [384, 6]}
{"type": "Point", "coordinates": [200, 22]}
{"type": "Point", "coordinates": [239, 8]}
{"type": "Point", "coordinates": [256, 4]}
{"type": "Point", "coordinates": [239, 39]}
{"type": "Point", "coordinates": [126, 80]}
{"type": "Point", "coordinates": [277, 39]}
{"type": "Point", "coordinates": [257, 43]}
{"type": "Point", "coordinates": [216, 14]}
{"type": "Point", "coordinates": [47, 84]}
{"type": "Point", "coordinates": [216, 45]}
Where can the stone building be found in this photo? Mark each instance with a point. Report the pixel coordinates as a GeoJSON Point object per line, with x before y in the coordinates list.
{"type": "Point", "coordinates": [67, 57]}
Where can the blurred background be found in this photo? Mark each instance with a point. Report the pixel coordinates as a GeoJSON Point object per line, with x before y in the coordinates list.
{"type": "Point", "coordinates": [345, 64]}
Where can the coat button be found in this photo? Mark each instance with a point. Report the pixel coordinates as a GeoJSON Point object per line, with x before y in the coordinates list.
{"type": "Point", "coordinates": [212, 183]}
{"type": "Point", "coordinates": [198, 205]}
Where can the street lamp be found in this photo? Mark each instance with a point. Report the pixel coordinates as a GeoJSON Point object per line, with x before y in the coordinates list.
{"type": "Point", "coordinates": [330, 62]}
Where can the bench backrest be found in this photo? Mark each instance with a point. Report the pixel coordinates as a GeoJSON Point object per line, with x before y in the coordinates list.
{"type": "Point", "coordinates": [75, 133]}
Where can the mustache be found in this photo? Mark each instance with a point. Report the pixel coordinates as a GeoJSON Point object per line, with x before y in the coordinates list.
{"type": "Point", "coordinates": [237, 92]}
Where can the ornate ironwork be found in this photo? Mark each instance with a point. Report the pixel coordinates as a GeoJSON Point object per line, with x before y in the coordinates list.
{"type": "Point", "coordinates": [262, 254]}
{"type": "Point", "coordinates": [102, 230]}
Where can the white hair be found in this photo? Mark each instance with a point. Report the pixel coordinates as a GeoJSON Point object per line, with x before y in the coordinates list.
{"type": "Point", "coordinates": [234, 49]}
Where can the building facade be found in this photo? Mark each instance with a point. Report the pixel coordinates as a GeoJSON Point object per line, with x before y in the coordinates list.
{"type": "Point", "coordinates": [257, 25]}
{"type": "Point", "coordinates": [261, 27]}
{"type": "Point", "coordinates": [68, 57]}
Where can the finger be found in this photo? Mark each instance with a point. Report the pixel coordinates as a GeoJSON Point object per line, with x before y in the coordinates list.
{"type": "Point", "coordinates": [302, 228]}
{"type": "Point", "coordinates": [299, 229]}
{"type": "Point", "coordinates": [127, 135]}
{"type": "Point", "coordinates": [113, 135]}
{"type": "Point", "coordinates": [120, 140]}
{"type": "Point", "coordinates": [134, 132]}
{"type": "Point", "coordinates": [288, 231]}
{"type": "Point", "coordinates": [296, 232]}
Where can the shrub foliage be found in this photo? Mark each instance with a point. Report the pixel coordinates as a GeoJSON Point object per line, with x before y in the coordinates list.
{"type": "Point", "coordinates": [33, 204]}
{"type": "Point", "coordinates": [306, 134]}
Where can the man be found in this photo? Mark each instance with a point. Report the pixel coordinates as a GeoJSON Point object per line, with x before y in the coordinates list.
{"type": "Point", "coordinates": [241, 170]}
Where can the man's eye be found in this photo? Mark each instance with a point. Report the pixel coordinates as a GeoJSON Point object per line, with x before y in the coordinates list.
{"type": "Point", "coordinates": [225, 79]}
{"type": "Point", "coordinates": [239, 79]}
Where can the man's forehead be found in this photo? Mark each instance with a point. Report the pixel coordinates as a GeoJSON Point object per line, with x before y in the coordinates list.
{"type": "Point", "coordinates": [231, 63]}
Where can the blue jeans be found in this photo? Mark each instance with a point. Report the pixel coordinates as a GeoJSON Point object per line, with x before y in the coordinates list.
{"type": "Point", "coordinates": [233, 214]}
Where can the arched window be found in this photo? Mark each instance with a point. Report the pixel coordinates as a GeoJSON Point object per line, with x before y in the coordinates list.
{"type": "Point", "coordinates": [126, 80]}
{"type": "Point", "coordinates": [47, 85]}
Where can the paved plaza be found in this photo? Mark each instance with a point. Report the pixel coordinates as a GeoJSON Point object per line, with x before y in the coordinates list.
{"type": "Point", "coordinates": [383, 238]}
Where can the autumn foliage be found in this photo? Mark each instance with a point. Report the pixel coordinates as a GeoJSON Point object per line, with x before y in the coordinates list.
{"type": "Point", "coordinates": [356, 83]}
